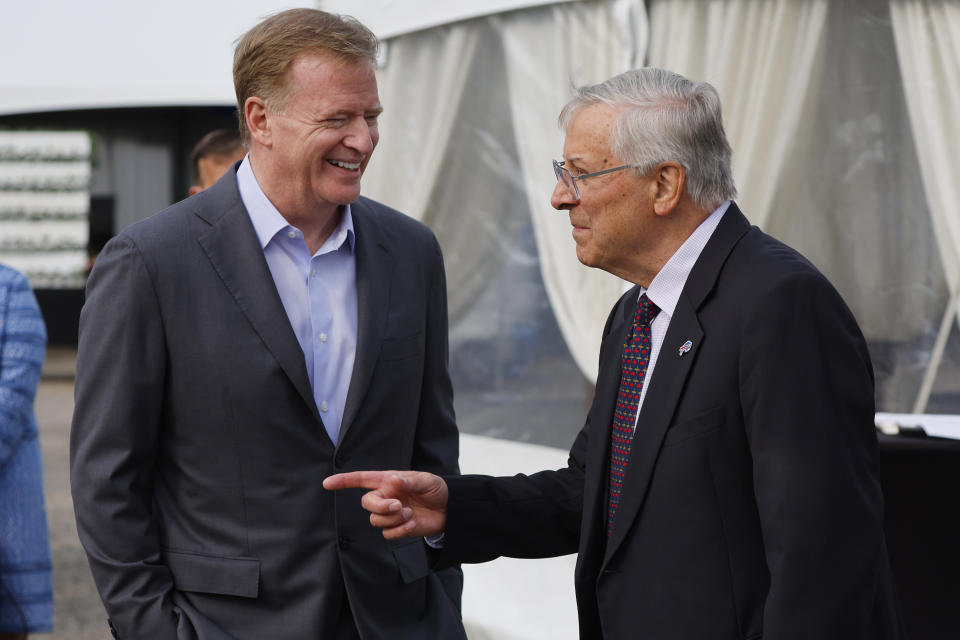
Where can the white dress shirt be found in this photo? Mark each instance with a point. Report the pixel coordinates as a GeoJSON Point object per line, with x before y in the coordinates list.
{"type": "Point", "coordinates": [665, 288]}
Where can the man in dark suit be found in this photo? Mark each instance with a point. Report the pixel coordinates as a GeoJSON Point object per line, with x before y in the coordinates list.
{"type": "Point", "coordinates": [724, 485]}
{"type": "Point", "coordinates": [244, 344]}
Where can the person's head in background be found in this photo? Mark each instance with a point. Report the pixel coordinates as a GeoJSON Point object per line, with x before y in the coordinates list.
{"type": "Point", "coordinates": [213, 155]}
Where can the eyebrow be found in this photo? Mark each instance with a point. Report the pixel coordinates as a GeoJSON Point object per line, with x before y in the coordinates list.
{"type": "Point", "coordinates": [350, 112]}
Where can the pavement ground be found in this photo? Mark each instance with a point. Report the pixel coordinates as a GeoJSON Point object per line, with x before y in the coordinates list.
{"type": "Point", "coordinates": [78, 612]}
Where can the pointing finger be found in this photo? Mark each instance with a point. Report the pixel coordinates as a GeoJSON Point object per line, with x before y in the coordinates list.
{"type": "Point", "coordinates": [357, 480]}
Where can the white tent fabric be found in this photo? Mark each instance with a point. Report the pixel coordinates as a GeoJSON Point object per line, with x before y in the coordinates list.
{"type": "Point", "coordinates": [927, 34]}
{"type": "Point", "coordinates": [418, 120]}
{"type": "Point", "coordinates": [770, 52]}
{"type": "Point", "coordinates": [423, 85]}
{"type": "Point", "coordinates": [546, 56]}
{"type": "Point", "coordinates": [391, 18]}
{"type": "Point", "coordinates": [823, 154]}
{"type": "Point", "coordinates": [105, 54]}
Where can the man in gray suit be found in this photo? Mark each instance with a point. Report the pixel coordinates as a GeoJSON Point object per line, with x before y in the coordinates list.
{"type": "Point", "coordinates": [244, 344]}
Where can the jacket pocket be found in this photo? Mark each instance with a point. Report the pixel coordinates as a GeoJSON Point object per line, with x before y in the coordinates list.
{"type": "Point", "coordinates": [400, 348]}
{"type": "Point", "coordinates": [701, 424]}
{"type": "Point", "coordinates": [411, 557]}
{"type": "Point", "coordinates": [223, 575]}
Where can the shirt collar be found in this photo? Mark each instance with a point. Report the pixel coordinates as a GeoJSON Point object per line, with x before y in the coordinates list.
{"type": "Point", "coordinates": [268, 221]}
{"type": "Point", "coordinates": [665, 288]}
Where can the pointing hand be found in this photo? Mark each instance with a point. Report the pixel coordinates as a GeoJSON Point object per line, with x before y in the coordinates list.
{"type": "Point", "coordinates": [402, 503]}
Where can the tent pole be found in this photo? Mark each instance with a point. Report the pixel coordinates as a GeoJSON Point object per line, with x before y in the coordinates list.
{"type": "Point", "coordinates": [938, 348]}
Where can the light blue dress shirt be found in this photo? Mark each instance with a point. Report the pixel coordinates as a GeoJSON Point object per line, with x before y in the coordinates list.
{"type": "Point", "coordinates": [319, 294]}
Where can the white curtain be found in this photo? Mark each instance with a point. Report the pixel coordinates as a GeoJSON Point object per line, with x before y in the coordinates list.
{"type": "Point", "coordinates": [468, 131]}
{"type": "Point", "coordinates": [927, 35]}
{"type": "Point", "coordinates": [424, 165]}
{"type": "Point", "coordinates": [419, 114]}
{"type": "Point", "coordinates": [762, 58]}
{"type": "Point", "coordinates": [548, 51]}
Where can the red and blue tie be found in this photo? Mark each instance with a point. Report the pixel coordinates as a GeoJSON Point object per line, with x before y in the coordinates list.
{"type": "Point", "coordinates": [633, 366]}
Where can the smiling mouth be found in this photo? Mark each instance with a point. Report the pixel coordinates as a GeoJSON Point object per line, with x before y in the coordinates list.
{"type": "Point", "coordinates": [350, 166]}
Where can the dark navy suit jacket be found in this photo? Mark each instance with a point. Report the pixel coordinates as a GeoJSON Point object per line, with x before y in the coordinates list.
{"type": "Point", "coordinates": [751, 506]}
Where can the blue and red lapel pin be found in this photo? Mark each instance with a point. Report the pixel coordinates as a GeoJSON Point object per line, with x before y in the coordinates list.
{"type": "Point", "coordinates": [685, 347]}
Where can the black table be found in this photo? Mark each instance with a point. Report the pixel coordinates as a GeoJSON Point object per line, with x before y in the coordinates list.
{"type": "Point", "coordinates": [921, 485]}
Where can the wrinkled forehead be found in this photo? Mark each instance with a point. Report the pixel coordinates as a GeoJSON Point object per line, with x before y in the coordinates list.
{"type": "Point", "coordinates": [589, 131]}
{"type": "Point", "coordinates": [325, 80]}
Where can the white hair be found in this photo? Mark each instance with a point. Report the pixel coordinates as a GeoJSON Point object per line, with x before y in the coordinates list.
{"type": "Point", "coordinates": [663, 117]}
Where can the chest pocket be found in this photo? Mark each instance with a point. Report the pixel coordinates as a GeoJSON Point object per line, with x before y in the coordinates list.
{"type": "Point", "coordinates": [696, 426]}
{"type": "Point", "coordinates": [400, 348]}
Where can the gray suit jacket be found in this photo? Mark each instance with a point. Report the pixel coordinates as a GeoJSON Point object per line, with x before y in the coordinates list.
{"type": "Point", "coordinates": [198, 453]}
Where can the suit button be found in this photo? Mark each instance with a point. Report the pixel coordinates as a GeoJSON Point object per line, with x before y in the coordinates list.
{"type": "Point", "coordinates": [344, 542]}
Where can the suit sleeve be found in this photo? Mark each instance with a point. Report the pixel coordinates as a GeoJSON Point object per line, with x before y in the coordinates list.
{"type": "Point", "coordinates": [536, 516]}
{"type": "Point", "coordinates": [807, 397]}
{"type": "Point", "coordinates": [114, 442]}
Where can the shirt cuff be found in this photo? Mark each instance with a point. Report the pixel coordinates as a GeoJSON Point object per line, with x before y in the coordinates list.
{"type": "Point", "coordinates": [435, 542]}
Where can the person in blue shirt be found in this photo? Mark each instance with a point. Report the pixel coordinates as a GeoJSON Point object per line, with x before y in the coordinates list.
{"type": "Point", "coordinates": [26, 585]}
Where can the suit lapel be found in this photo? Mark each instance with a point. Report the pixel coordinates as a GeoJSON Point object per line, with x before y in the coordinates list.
{"type": "Point", "coordinates": [233, 249]}
{"type": "Point", "coordinates": [666, 386]}
{"type": "Point", "coordinates": [671, 371]}
{"type": "Point", "coordinates": [374, 276]}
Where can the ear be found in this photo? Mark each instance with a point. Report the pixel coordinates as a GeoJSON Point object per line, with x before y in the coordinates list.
{"type": "Point", "coordinates": [670, 178]}
{"type": "Point", "coordinates": [195, 189]}
{"type": "Point", "coordinates": [258, 122]}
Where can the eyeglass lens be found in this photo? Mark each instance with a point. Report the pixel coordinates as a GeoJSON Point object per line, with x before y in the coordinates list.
{"type": "Point", "coordinates": [564, 176]}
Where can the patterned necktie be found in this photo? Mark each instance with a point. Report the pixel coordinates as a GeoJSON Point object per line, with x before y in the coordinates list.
{"type": "Point", "coordinates": [633, 365]}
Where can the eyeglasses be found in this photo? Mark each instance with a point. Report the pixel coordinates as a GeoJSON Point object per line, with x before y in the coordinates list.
{"type": "Point", "coordinates": [570, 181]}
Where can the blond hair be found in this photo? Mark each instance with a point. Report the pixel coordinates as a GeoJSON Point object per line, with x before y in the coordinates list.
{"type": "Point", "coordinates": [264, 54]}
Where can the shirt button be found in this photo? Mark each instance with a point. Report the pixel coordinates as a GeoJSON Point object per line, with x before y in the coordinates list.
{"type": "Point", "coordinates": [323, 337]}
{"type": "Point", "coordinates": [291, 234]}
{"type": "Point", "coordinates": [313, 273]}
{"type": "Point", "coordinates": [324, 406]}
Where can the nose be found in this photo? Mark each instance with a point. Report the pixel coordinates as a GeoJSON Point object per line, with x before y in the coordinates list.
{"type": "Point", "coordinates": [362, 136]}
{"type": "Point", "coordinates": [561, 198]}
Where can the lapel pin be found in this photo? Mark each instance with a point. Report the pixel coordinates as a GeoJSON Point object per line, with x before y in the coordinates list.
{"type": "Point", "coordinates": [685, 347]}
